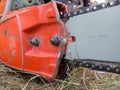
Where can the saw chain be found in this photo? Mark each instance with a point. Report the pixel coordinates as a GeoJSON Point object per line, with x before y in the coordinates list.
{"type": "Point", "coordinates": [99, 65]}
{"type": "Point", "coordinates": [89, 9]}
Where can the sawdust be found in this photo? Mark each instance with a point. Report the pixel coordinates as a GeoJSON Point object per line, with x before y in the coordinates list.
{"type": "Point", "coordinates": [78, 79]}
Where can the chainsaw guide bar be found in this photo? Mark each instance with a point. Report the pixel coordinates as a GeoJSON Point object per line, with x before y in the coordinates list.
{"type": "Point", "coordinates": [100, 65]}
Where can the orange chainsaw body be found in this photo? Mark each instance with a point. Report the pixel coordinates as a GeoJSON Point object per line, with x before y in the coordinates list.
{"type": "Point", "coordinates": [20, 26]}
{"type": "Point", "coordinates": [2, 6]}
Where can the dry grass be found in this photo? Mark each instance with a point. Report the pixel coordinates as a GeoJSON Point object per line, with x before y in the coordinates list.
{"type": "Point", "coordinates": [78, 79]}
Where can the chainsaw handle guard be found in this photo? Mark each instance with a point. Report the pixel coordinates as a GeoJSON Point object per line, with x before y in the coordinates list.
{"type": "Point", "coordinates": [9, 3]}
{"type": "Point", "coordinates": [7, 8]}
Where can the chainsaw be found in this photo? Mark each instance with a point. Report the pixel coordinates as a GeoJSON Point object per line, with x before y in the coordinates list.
{"type": "Point", "coordinates": [45, 36]}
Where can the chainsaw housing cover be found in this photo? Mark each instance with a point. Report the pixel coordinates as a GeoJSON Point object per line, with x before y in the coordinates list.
{"type": "Point", "coordinates": [26, 34]}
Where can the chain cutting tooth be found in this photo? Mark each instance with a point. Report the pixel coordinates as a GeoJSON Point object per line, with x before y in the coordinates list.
{"type": "Point", "coordinates": [81, 11]}
{"type": "Point", "coordinates": [69, 14]}
{"type": "Point", "coordinates": [93, 66]}
{"type": "Point", "coordinates": [95, 8]}
{"type": "Point", "coordinates": [108, 68]}
{"type": "Point", "coordinates": [117, 70]}
{"type": "Point", "coordinates": [113, 3]}
{"type": "Point", "coordinates": [87, 65]}
{"type": "Point", "coordinates": [101, 67]}
{"type": "Point", "coordinates": [103, 5]}
{"type": "Point", "coordinates": [75, 13]}
{"type": "Point", "coordinates": [88, 9]}
{"type": "Point", "coordinates": [83, 64]}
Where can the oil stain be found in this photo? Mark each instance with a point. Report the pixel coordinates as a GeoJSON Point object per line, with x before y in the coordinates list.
{"type": "Point", "coordinates": [5, 33]}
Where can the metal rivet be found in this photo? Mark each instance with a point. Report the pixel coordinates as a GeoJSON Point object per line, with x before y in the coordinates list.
{"type": "Point", "coordinates": [93, 66]}
{"type": "Point", "coordinates": [74, 6]}
{"type": "Point", "coordinates": [64, 41]}
{"type": "Point", "coordinates": [80, 63]}
{"type": "Point", "coordinates": [87, 65]}
{"type": "Point", "coordinates": [87, 9]}
{"type": "Point", "coordinates": [75, 13]}
{"type": "Point", "coordinates": [94, 8]}
{"type": "Point", "coordinates": [108, 68]}
{"type": "Point", "coordinates": [111, 3]}
{"type": "Point", "coordinates": [81, 11]}
{"type": "Point", "coordinates": [61, 13]}
{"type": "Point", "coordinates": [103, 5]}
{"type": "Point", "coordinates": [117, 70]}
{"type": "Point", "coordinates": [69, 14]}
{"type": "Point", "coordinates": [100, 67]}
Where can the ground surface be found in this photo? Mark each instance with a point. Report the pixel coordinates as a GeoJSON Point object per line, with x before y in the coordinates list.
{"type": "Point", "coordinates": [79, 79]}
